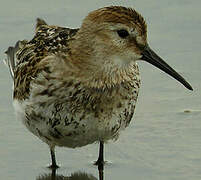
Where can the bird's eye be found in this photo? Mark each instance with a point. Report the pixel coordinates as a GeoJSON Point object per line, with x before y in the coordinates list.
{"type": "Point", "coordinates": [122, 33]}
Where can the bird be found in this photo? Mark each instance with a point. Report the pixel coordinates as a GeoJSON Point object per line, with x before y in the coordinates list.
{"type": "Point", "coordinates": [74, 87]}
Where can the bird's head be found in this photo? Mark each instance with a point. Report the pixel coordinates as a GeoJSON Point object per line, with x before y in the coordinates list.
{"type": "Point", "coordinates": [116, 37]}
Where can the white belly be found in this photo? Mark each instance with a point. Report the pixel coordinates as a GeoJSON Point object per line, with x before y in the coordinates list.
{"type": "Point", "coordinates": [55, 125]}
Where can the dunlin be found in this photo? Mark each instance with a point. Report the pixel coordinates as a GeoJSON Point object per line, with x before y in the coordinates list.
{"type": "Point", "coordinates": [74, 87]}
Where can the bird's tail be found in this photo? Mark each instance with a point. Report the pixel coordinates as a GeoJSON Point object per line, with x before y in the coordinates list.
{"type": "Point", "coordinates": [10, 61]}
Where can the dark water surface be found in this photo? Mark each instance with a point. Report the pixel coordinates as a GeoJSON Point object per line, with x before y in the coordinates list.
{"type": "Point", "coordinates": [163, 141]}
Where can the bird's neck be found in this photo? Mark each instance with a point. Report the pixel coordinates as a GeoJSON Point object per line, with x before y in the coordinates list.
{"type": "Point", "coordinates": [97, 73]}
{"type": "Point", "coordinates": [109, 76]}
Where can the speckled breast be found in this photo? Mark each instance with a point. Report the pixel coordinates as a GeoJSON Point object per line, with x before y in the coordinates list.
{"type": "Point", "coordinates": [80, 116]}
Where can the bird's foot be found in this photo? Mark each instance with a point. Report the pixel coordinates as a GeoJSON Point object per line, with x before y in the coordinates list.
{"type": "Point", "coordinates": [53, 166]}
{"type": "Point", "coordinates": [99, 163]}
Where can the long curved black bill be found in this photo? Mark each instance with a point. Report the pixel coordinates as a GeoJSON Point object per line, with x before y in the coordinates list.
{"type": "Point", "coordinates": [151, 57]}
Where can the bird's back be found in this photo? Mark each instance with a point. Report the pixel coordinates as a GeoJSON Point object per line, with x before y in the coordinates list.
{"type": "Point", "coordinates": [24, 57]}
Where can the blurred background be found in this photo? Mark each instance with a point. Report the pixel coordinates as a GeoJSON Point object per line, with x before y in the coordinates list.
{"type": "Point", "coordinates": [163, 141]}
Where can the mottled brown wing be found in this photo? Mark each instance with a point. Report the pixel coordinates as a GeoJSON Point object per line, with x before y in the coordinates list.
{"type": "Point", "coordinates": [47, 40]}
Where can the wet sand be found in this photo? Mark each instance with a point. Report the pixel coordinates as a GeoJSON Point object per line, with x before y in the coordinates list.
{"type": "Point", "coordinates": [163, 141]}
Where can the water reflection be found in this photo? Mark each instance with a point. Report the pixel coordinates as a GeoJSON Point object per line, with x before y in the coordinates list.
{"type": "Point", "coordinates": [73, 176]}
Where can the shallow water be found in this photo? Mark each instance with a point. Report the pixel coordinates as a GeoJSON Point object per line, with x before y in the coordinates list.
{"type": "Point", "coordinates": [163, 141]}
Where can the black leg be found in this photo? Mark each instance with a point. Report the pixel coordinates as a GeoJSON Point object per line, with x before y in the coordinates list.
{"type": "Point", "coordinates": [101, 174]}
{"type": "Point", "coordinates": [100, 161]}
{"type": "Point", "coordinates": [53, 175]}
{"type": "Point", "coordinates": [53, 157]}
